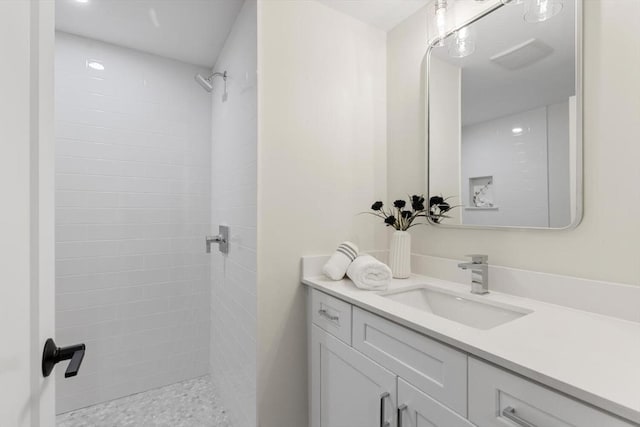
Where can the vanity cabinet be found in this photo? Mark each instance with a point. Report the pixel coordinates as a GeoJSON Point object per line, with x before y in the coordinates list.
{"type": "Point", "coordinates": [367, 371]}
{"type": "Point", "coordinates": [347, 388]}
{"type": "Point", "coordinates": [350, 390]}
{"type": "Point", "coordinates": [437, 369]}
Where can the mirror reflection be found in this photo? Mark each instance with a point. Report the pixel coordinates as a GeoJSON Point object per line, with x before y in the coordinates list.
{"type": "Point", "coordinates": [503, 140]}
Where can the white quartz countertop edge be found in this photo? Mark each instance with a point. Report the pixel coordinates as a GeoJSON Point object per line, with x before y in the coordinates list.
{"type": "Point", "coordinates": [591, 357]}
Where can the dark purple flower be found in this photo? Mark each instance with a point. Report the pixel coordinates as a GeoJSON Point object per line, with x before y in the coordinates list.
{"type": "Point", "coordinates": [417, 203]}
{"type": "Point", "coordinates": [406, 214]}
{"type": "Point", "coordinates": [435, 200]}
{"type": "Point", "coordinates": [399, 204]}
{"type": "Point", "coordinates": [444, 206]}
{"type": "Point", "coordinates": [377, 206]}
{"type": "Point", "coordinates": [390, 220]}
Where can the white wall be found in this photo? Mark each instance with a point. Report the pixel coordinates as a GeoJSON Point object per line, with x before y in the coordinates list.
{"type": "Point", "coordinates": [445, 174]}
{"type": "Point", "coordinates": [605, 245]}
{"type": "Point", "coordinates": [406, 106]}
{"type": "Point", "coordinates": [321, 161]}
{"type": "Point", "coordinates": [234, 192]}
{"type": "Point", "coordinates": [560, 146]}
{"type": "Point", "coordinates": [132, 208]}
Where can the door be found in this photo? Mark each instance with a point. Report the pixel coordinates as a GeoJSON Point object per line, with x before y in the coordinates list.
{"type": "Point", "coordinates": [417, 409]}
{"type": "Point", "coordinates": [26, 217]}
{"type": "Point", "coordinates": [347, 388]}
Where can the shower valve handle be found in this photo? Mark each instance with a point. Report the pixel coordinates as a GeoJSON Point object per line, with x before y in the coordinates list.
{"type": "Point", "coordinates": [214, 239]}
{"type": "Point", "coordinates": [222, 239]}
{"type": "Point", "coordinates": [53, 354]}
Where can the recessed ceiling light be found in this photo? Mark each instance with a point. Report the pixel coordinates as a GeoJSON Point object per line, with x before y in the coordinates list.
{"type": "Point", "coordinates": [95, 65]}
{"type": "Point", "coordinates": [517, 131]}
{"type": "Point", "coordinates": [82, 1]}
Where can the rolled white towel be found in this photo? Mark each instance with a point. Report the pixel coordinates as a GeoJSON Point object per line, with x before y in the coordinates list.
{"type": "Point", "coordinates": [337, 265]}
{"type": "Point", "coordinates": [368, 273]}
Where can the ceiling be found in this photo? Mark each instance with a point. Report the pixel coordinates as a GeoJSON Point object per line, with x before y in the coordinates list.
{"type": "Point", "coordinates": [383, 14]}
{"type": "Point", "coordinates": [489, 90]}
{"type": "Point", "coordinates": [192, 31]}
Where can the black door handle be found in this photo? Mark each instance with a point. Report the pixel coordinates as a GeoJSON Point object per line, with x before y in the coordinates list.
{"type": "Point", "coordinates": [53, 354]}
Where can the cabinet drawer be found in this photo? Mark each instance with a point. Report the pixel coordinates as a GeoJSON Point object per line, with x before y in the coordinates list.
{"type": "Point", "coordinates": [332, 315]}
{"type": "Point", "coordinates": [497, 397]}
{"type": "Point", "coordinates": [438, 370]}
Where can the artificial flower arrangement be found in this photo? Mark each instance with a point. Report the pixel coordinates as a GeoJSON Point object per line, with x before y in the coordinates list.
{"type": "Point", "coordinates": [402, 216]}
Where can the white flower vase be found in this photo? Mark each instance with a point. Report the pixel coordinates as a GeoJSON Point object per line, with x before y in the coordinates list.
{"type": "Point", "coordinates": [400, 254]}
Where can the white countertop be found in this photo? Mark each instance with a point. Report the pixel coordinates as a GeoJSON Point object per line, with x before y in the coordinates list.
{"type": "Point", "coordinates": [592, 357]}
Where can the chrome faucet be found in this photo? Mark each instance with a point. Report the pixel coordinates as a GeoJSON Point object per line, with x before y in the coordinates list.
{"type": "Point", "coordinates": [479, 273]}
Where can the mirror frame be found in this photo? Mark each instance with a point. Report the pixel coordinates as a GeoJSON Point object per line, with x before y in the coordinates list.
{"type": "Point", "coordinates": [579, 160]}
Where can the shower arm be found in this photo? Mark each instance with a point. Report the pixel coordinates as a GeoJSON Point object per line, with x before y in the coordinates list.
{"type": "Point", "coordinates": [217, 74]}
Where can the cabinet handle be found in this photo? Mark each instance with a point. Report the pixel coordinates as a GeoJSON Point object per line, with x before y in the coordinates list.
{"type": "Point", "coordinates": [401, 410]}
{"type": "Point", "coordinates": [383, 420]}
{"type": "Point", "coordinates": [510, 414]}
{"type": "Point", "coordinates": [325, 313]}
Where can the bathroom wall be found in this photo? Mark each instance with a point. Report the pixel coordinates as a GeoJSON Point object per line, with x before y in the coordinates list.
{"type": "Point", "coordinates": [321, 161]}
{"type": "Point", "coordinates": [605, 245]}
{"type": "Point", "coordinates": [517, 165]}
{"type": "Point", "coordinates": [234, 193]}
{"type": "Point", "coordinates": [132, 207]}
{"type": "Point", "coordinates": [444, 176]}
{"type": "Point", "coordinates": [561, 153]}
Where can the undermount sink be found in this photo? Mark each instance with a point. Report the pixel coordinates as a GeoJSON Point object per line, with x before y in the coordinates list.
{"type": "Point", "coordinates": [468, 310]}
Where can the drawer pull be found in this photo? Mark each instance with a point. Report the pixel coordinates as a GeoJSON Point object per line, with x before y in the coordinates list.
{"type": "Point", "coordinates": [401, 410]}
{"type": "Point", "coordinates": [325, 313]}
{"type": "Point", "coordinates": [383, 418]}
{"type": "Point", "coordinates": [510, 414]}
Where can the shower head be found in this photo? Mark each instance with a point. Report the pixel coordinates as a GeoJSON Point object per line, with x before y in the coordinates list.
{"type": "Point", "coordinates": [205, 82]}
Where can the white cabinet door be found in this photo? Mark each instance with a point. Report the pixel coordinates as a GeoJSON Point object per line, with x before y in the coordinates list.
{"type": "Point", "coordinates": [347, 388]}
{"type": "Point", "coordinates": [416, 409]}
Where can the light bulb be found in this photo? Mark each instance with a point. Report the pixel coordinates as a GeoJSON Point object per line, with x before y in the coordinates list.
{"type": "Point", "coordinates": [463, 43]}
{"type": "Point", "coordinates": [541, 10]}
{"type": "Point", "coordinates": [441, 20]}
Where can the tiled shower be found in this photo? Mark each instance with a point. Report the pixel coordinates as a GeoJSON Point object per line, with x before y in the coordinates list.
{"type": "Point", "coordinates": [133, 204]}
{"type": "Point", "coordinates": [136, 139]}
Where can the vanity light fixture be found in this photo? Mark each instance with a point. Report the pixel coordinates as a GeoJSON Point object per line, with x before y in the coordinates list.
{"type": "Point", "coordinates": [463, 43]}
{"type": "Point", "coordinates": [541, 10]}
{"type": "Point", "coordinates": [95, 65]}
{"type": "Point", "coordinates": [517, 131]}
{"type": "Point", "coordinates": [441, 20]}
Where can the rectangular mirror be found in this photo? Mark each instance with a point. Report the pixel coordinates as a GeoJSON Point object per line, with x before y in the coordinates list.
{"type": "Point", "coordinates": [504, 118]}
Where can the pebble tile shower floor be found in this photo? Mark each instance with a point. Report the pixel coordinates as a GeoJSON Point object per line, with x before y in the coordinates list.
{"type": "Point", "coordinates": [192, 403]}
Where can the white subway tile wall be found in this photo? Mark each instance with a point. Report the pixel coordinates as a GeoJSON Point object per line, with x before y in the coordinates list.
{"type": "Point", "coordinates": [234, 200]}
{"type": "Point", "coordinates": [133, 190]}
